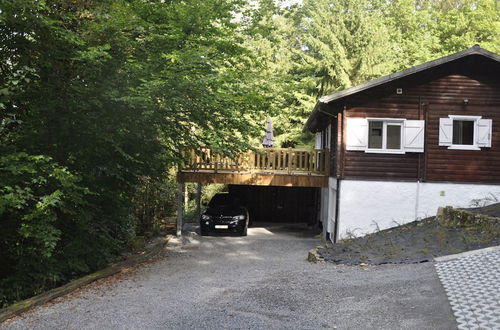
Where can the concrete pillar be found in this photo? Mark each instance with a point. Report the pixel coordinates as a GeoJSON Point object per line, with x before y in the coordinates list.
{"type": "Point", "coordinates": [198, 201]}
{"type": "Point", "coordinates": [180, 208]}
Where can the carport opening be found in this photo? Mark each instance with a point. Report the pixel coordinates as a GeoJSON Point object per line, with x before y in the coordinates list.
{"type": "Point", "coordinates": [280, 205]}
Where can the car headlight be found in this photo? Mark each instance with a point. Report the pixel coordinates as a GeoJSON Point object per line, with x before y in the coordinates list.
{"type": "Point", "coordinates": [205, 217]}
{"type": "Point", "coordinates": [239, 217]}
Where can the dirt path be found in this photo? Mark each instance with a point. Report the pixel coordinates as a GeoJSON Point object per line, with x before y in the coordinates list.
{"type": "Point", "coordinates": [261, 281]}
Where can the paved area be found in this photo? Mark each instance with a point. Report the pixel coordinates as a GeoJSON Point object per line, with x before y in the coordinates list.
{"type": "Point", "coordinates": [262, 281]}
{"type": "Point", "coordinates": [472, 284]}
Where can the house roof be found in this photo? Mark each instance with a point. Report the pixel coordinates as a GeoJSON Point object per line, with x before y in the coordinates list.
{"type": "Point", "coordinates": [475, 50]}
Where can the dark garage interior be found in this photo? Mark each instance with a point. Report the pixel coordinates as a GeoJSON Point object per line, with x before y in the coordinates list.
{"type": "Point", "coordinates": [279, 204]}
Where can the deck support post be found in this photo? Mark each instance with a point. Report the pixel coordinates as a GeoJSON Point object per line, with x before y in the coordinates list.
{"type": "Point", "coordinates": [198, 201]}
{"type": "Point", "coordinates": [180, 208]}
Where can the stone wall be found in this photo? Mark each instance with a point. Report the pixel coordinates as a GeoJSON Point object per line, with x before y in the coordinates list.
{"type": "Point", "coordinates": [450, 216]}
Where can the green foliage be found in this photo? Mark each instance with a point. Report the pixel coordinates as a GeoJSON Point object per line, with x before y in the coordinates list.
{"type": "Point", "coordinates": [345, 43]}
{"type": "Point", "coordinates": [316, 49]}
{"type": "Point", "coordinates": [465, 23]}
{"type": "Point", "coordinates": [154, 202]}
{"type": "Point", "coordinates": [323, 46]}
{"type": "Point", "coordinates": [108, 93]}
{"type": "Point", "coordinates": [191, 75]}
{"type": "Point", "coordinates": [35, 196]}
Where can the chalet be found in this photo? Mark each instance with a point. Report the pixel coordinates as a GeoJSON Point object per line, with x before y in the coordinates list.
{"type": "Point", "coordinates": [402, 145]}
{"type": "Point", "coordinates": [387, 152]}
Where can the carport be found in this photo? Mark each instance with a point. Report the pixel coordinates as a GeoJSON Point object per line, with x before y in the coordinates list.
{"type": "Point", "coordinates": [278, 204]}
{"type": "Point", "coordinates": [276, 185]}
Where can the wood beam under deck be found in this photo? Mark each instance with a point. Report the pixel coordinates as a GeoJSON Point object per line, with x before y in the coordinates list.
{"type": "Point", "coordinates": [254, 178]}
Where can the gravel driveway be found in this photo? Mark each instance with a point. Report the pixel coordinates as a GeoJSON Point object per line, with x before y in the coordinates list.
{"type": "Point", "coordinates": [261, 281]}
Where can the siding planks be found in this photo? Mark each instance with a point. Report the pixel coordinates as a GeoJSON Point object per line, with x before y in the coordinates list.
{"type": "Point", "coordinates": [430, 96]}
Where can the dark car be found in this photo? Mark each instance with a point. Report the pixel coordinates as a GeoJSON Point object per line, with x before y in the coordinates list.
{"type": "Point", "coordinates": [226, 214]}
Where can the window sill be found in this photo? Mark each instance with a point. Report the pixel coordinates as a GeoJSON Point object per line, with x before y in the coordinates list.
{"type": "Point", "coordinates": [463, 147]}
{"type": "Point", "coordinates": [385, 151]}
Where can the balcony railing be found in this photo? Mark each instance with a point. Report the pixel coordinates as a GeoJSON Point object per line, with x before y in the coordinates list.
{"type": "Point", "coordinates": [265, 160]}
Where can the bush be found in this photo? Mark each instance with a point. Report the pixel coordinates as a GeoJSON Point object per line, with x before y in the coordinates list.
{"type": "Point", "coordinates": [54, 229]}
{"type": "Point", "coordinates": [154, 201]}
{"type": "Point", "coordinates": [36, 195]}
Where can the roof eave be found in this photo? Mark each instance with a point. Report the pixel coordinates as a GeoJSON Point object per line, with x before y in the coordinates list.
{"type": "Point", "coordinates": [394, 76]}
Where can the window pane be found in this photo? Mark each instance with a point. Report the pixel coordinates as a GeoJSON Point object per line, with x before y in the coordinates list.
{"type": "Point", "coordinates": [375, 134]}
{"type": "Point", "coordinates": [393, 136]}
{"type": "Point", "coordinates": [463, 132]}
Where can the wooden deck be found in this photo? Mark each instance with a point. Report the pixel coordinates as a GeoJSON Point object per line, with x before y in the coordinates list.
{"type": "Point", "coordinates": [263, 167]}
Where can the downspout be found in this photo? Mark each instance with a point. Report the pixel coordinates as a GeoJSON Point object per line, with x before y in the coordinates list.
{"type": "Point", "coordinates": [339, 169]}
{"type": "Point", "coordinates": [417, 199]}
{"type": "Point", "coordinates": [421, 113]}
{"type": "Point", "coordinates": [336, 229]}
{"type": "Point", "coordinates": [426, 136]}
{"type": "Point", "coordinates": [419, 165]}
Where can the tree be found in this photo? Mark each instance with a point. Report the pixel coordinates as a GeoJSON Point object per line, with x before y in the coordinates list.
{"type": "Point", "coordinates": [323, 46]}
{"type": "Point", "coordinates": [107, 93]}
{"type": "Point", "coordinates": [345, 43]}
{"type": "Point", "coordinates": [463, 23]}
{"type": "Point", "coordinates": [411, 27]}
{"type": "Point", "coordinates": [270, 31]}
{"type": "Point", "coordinates": [316, 49]}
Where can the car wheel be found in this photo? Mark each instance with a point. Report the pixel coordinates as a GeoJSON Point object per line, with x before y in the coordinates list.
{"type": "Point", "coordinates": [244, 231]}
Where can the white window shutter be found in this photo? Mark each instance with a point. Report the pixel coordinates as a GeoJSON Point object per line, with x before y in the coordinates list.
{"type": "Point", "coordinates": [484, 133]}
{"type": "Point", "coordinates": [317, 145]}
{"type": "Point", "coordinates": [357, 134]}
{"type": "Point", "coordinates": [445, 131]}
{"type": "Point", "coordinates": [414, 133]}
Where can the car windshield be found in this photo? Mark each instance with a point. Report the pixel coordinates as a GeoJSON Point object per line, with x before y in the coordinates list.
{"type": "Point", "coordinates": [222, 200]}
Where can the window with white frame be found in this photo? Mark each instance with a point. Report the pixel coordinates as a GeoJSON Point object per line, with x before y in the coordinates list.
{"type": "Point", "coordinates": [385, 135]}
{"type": "Point", "coordinates": [465, 132]}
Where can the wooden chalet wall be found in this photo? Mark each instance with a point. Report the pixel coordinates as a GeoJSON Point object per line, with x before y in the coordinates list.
{"type": "Point", "coordinates": [429, 95]}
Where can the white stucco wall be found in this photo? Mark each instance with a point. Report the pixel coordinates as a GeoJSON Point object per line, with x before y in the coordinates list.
{"type": "Point", "coordinates": [367, 206]}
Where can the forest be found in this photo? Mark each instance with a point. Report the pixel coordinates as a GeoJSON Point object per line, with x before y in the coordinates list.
{"type": "Point", "coordinates": [99, 98]}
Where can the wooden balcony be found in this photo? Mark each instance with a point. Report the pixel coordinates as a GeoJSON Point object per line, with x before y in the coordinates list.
{"type": "Point", "coordinates": [267, 166]}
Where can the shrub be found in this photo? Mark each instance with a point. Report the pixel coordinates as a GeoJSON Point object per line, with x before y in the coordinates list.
{"type": "Point", "coordinates": [36, 195]}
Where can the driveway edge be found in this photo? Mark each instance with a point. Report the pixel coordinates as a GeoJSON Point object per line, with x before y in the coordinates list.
{"type": "Point", "coordinates": [25, 305]}
{"type": "Point", "coordinates": [467, 253]}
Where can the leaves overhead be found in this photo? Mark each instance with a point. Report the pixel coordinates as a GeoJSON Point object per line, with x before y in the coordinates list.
{"type": "Point", "coordinates": [110, 93]}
